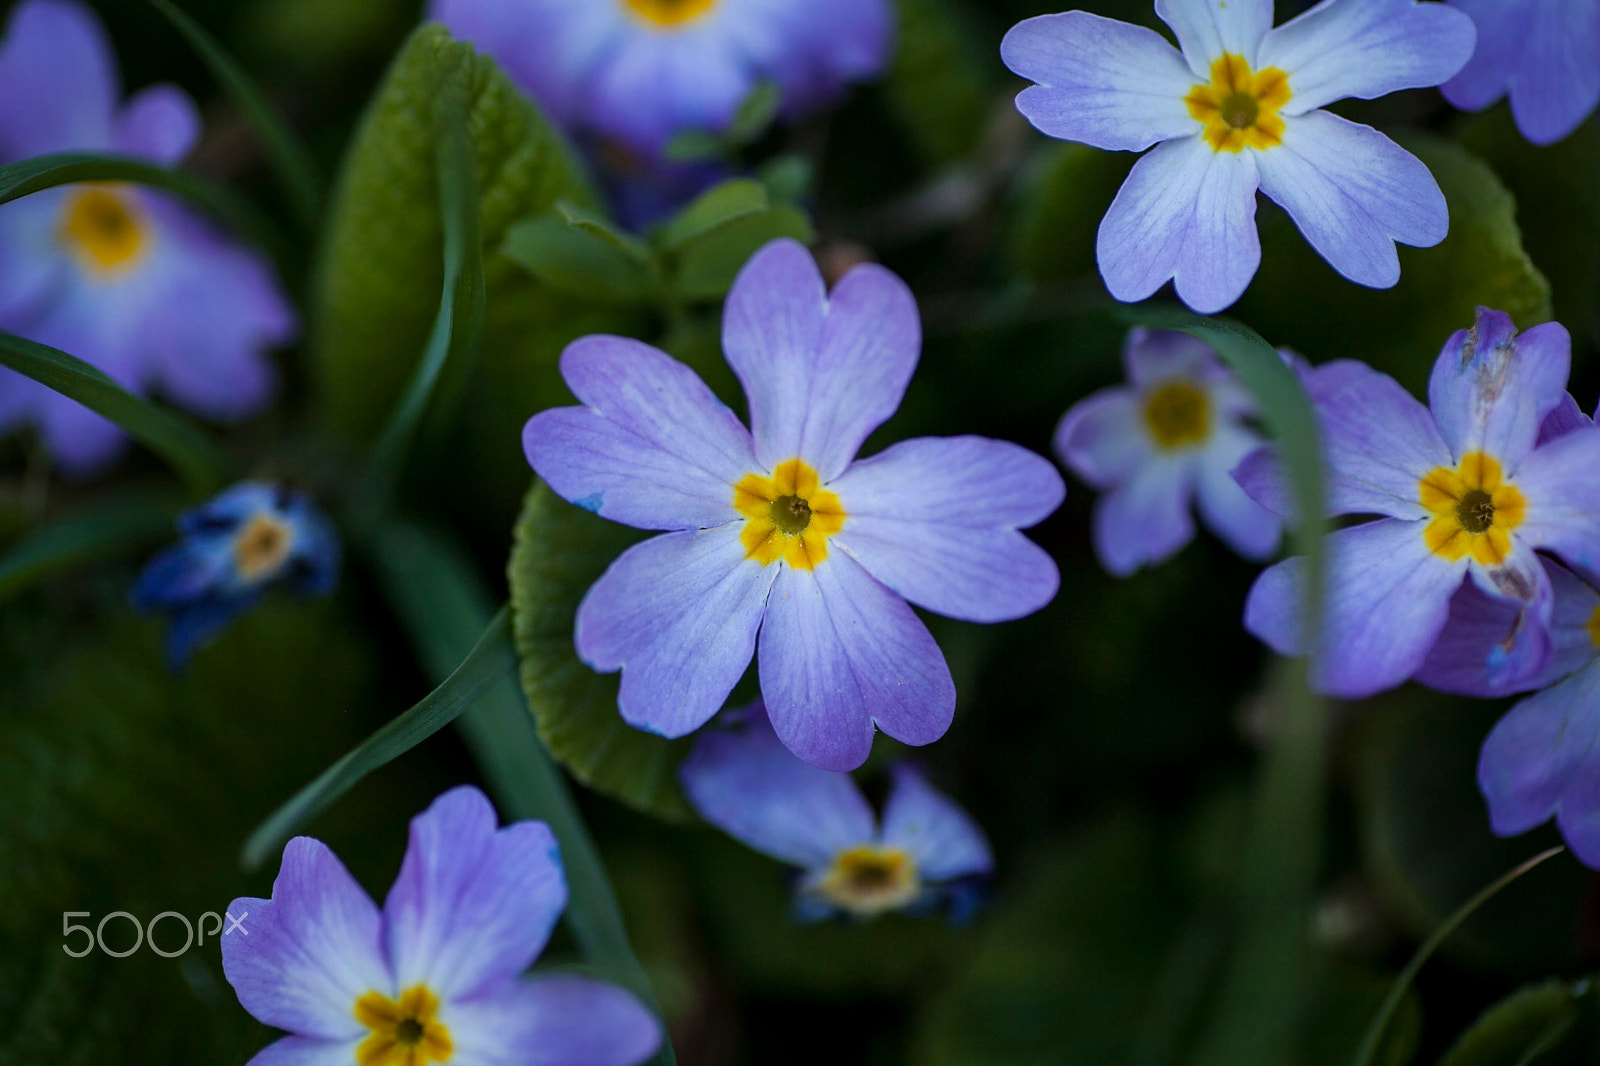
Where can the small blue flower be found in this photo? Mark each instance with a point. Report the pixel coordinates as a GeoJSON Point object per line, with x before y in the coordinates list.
{"type": "Point", "coordinates": [926, 854]}
{"type": "Point", "coordinates": [251, 537]}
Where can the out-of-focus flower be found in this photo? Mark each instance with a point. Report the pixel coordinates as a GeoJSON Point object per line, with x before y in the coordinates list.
{"type": "Point", "coordinates": [1544, 54]}
{"type": "Point", "coordinates": [250, 538]}
{"type": "Point", "coordinates": [1241, 108]}
{"type": "Point", "coordinates": [782, 532]}
{"type": "Point", "coordinates": [643, 71]}
{"type": "Point", "coordinates": [435, 976]}
{"type": "Point", "coordinates": [1172, 434]}
{"type": "Point", "coordinates": [1469, 491]}
{"type": "Point", "coordinates": [116, 275]}
{"type": "Point", "coordinates": [926, 855]}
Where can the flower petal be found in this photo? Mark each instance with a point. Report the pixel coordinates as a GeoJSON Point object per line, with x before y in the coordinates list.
{"type": "Point", "coordinates": [936, 519]}
{"type": "Point", "coordinates": [1533, 755]}
{"type": "Point", "coordinates": [678, 615]}
{"type": "Point", "coordinates": [840, 652]}
{"type": "Point", "coordinates": [1561, 483]}
{"type": "Point", "coordinates": [1186, 212]}
{"type": "Point", "coordinates": [746, 783]}
{"type": "Point", "coordinates": [821, 372]}
{"type": "Point", "coordinates": [1502, 29]}
{"type": "Point", "coordinates": [942, 837]}
{"type": "Point", "coordinates": [1353, 192]}
{"type": "Point", "coordinates": [300, 960]}
{"type": "Point", "coordinates": [1378, 442]}
{"type": "Point", "coordinates": [160, 123]}
{"type": "Point", "coordinates": [1367, 49]}
{"type": "Point", "coordinates": [1246, 526]}
{"type": "Point", "coordinates": [1146, 519]}
{"type": "Point", "coordinates": [1387, 599]}
{"type": "Point", "coordinates": [305, 1051]}
{"type": "Point", "coordinates": [473, 904]}
{"type": "Point", "coordinates": [1491, 390]}
{"type": "Point", "coordinates": [1152, 356]}
{"type": "Point", "coordinates": [1102, 82]}
{"type": "Point", "coordinates": [1557, 82]}
{"type": "Point", "coordinates": [1100, 438]}
{"type": "Point", "coordinates": [553, 1021]}
{"type": "Point", "coordinates": [652, 448]}
{"type": "Point", "coordinates": [1209, 28]}
{"type": "Point", "coordinates": [1567, 416]}
{"type": "Point", "coordinates": [58, 81]}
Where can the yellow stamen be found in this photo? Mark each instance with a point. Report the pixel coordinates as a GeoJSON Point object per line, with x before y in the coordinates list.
{"type": "Point", "coordinates": [407, 1033]}
{"type": "Point", "coordinates": [262, 547]}
{"type": "Point", "coordinates": [868, 880]}
{"type": "Point", "coordinates": [790, 516]}
{"type": "Point", "coordinates": [669, 14]}
{"type": "Point", "coordinates": [104, 229]}
{"type": "Point", "coordinates": [1240, 108]}
{"type": "Point", "coordinates": [1178, 415]}
{"type": "Point", "coordinates": [1594, 627]}
{"type": "Point", "coordinates": [1476, 510]}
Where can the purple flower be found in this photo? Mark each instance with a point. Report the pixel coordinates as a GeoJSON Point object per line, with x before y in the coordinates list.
{"type": "Point", "coordinates": [1241, 108]}
{"type": "Point", "coordinates": [435, 976]}
{"type": "Point", "coordinates": [117, 275]}
{"type": "Point", "coordinates": [1468, 491]}
{"type": "Point", "coordinates": [250, 538]}
{"type": "Point", "coordinates": [1172, 434]}
{"type": "Point", "coordinates": [781, 533]}
{"type": "Point", "coordinates": [643, 71]}
{"type": "Point", "coordinates": [926, 854]}
{"type": "Point", "coordinates": [1545, 54]}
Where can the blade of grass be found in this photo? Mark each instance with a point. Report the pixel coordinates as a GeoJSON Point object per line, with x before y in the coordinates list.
{"type": "Point", "coordinates": [439, 598]}
{"type": "Point", "coordinates": [188, 448]}
{"type": "Point", "coordinates": [491, 659]}
{"type": "Point", "coordinates": [289, 156]}
{"type": "Point", "coordinates": [89, 533]}
{"type": "Point", "coordinates": [1397, 992]}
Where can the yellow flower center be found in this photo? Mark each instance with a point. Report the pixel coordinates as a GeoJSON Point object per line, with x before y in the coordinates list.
{"type": "Point", "coordinates": [869, 880]}
{"type": "Point", "coordinates": [1240, 108]}
{"type": "Point", "coordinates": [1475, 510]}
{"type": "Point", "coordinates": [103, 229]}
{"type": "Point", "coordinates": [406, 1033]}
{"type": "Point", "coordinates": [669, 14]}
{"type": "Point", "coordinates": [1594, 627]}
{"type": "Point", "coordinates": [1178, 415]}
{"type": "Point", "coordinates": [262, 547]}
{"type": "Point", "coordinates": [790, 516]}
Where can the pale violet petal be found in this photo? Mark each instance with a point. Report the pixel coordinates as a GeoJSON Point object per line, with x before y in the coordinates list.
{"type": "Point", "coordinates": [1560, 483]}
{"type": "Point", "coordinates": [1242, 523]}
{"type": "Point", "coordinates": [553, 1020]}
{"type": "Point", "coordinates": [942, 837]}
{"type": "Point", "coordinates": [1532, 756]}
{"type": "Point", "coordinates": [1491, 390]}
{"type": "Point", "coordinates": [1557, 82]}
{"type": "Point", "coordinates": [1146, 519]}
{"type": "Point", "coordinates": [1101, 438]}
{"type": "Point", "coordinates": [307, 1051]}
{"type": "Point", "coordinates": [1209, 29]}
{"type": "Point", "coordinates": [1502, 29]}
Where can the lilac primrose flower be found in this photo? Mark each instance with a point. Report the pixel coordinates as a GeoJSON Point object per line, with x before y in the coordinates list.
{"type": "Point", "coordinates": [252, 537]}
{"type": "Point", "coordinates": [119, 276]}
{"type": "Point", "coordinates": [1171, 435]}
{"type": "Point", "coordinates": [1468, 493]}
{"type": "Point", "coordinates": [927, 854]}
{"type": "Point", "coordinates": [1544, 54]}
{"type": "Point", "coordinates": [435, 976]}
{"type": "Point", "coordinates": [642, 71]}
{"type": "Point", "coordinates": [782, 532]}
{"type": "Point", "coordinates": [1241, 108]}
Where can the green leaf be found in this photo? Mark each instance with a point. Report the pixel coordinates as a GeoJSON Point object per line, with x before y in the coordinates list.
{"type": "Point", "coordinates": [1298, 300]}
{"type": "Point", "coordinates": [1519, 1029]}
{"type": "Point", "coordinates": [381, 268]}
{"type": "Point", "coordinates": [1067, 191]}
{"type": "Point", "coordinates": [186, 447]}
{"type": "Point", "coordinates": [289, 155]}
{"type": "Point", "coordinates": [695, 146]}
{"type": "Point", "coordinates": [755, 113]}
{"type": "Point", "coordinates": [713, 208]}
{"type": "Point", "coordinates": [490, 659]}
{"type": "Point", "coordinates": [939, 86]}
{"type": "Point", "coordinates": [709, 263]}
{"type": "Point", "coordinates": [95, 531]}
{"type": "Point", "coordinates": [576, 261]}
{"type": "Point", "coordinates": [560, 551]}
{"type": "Point", "coordinates": [788, 178]}
{"type": "Point", "coordinates": [592, 223]}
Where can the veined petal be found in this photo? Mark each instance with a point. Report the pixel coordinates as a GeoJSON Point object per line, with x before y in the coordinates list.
{"type": "Point", "coordinates": [1557, 82]}
{"type": "Point", "coordinates": [58, 81]}
{"type": "Point", "coordinates": [1353, 192]}
{"type": "Point", "coordinates": [160, 123]}
{"type": "Point", "coordinates": [1186, 212]}
{"type": "Point", "coordinates": [1367, 49]}
{"type": "Point", "coordinates": [1502, 29]}
{"type": "Point", "coordinates": [936, 520]}
{"type": "Point", "coordinates": [1378, 441]}
{"type": "Point", "coordinates": [746, 783]}
{"type": "Point", "coordinates": [1246, 526]}
{"type": "Point", "coordinates": [1102, 82]}
{"type": "Point", "coordinates": [1100, 438]}
{"type": "Point", "coordinates": [307, 1051]}
{"type": "Point", "coordinates": [302, 959]}
{"type": "Point", "coordinates": [1561, 483]}
{"type": "Point", "coordinates": [678, 615]}
{"type": "Point", "coordinates": [1146, 519]}
{"type": "Point", "coordinates": [1491, 390]}
{"type": "Point", "coordinates": [942, 837]}
{"type": "Point", "coordinates": [652, 448]}
{"type": "Point", "coordinates": [474, 904]}
{"type": "Point", "coordinates": [840, 652]}
{"type": "Point", "coordinates": [1207, 29]}
{"type": "Point", "coordinates": [553, 1021]}
{"type": "Point", "coordinates": [1387, 599]}
{"type": "Point", "coordinates": [1532, 757]}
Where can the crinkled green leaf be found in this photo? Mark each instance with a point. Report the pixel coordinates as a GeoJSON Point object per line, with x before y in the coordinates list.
{"type": "Point", "coordinates": [1519, 1029]}
{"type": "Point", "coordinates": [560, 551]}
